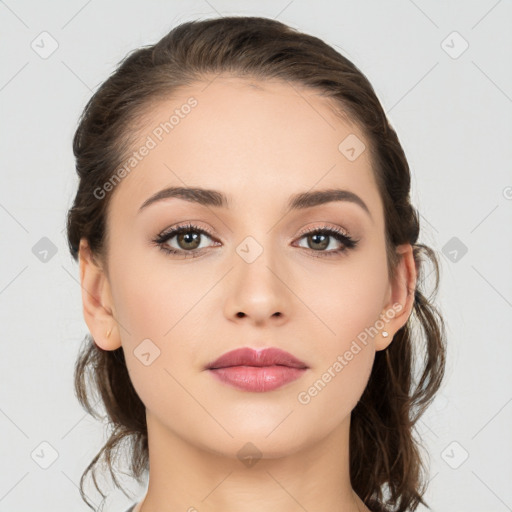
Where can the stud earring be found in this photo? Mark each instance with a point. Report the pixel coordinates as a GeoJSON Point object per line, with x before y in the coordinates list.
{"type": "Point", "coordinates": [385, 334]}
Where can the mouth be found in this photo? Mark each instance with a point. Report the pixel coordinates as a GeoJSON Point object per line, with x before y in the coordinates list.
{"type": "Point", "coordinates": [257, 371]}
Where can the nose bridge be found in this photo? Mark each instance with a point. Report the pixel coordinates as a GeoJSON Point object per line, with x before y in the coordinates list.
{"type": "Point", "coordinates": [256, 288]}
{"type": "Point", "coordinates": [255, 259]}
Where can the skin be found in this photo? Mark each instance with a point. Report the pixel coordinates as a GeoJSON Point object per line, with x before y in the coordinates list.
{"type": "Point", "coordinates": [259, 145]}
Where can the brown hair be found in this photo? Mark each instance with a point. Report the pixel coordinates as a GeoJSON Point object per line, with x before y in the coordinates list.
{"type": "Point", "coordinates": [386, 468]}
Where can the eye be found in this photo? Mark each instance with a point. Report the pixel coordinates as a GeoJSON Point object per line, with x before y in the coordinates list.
{"type": "Point", "coordinates": [319, 239]}
{"type": "Point", "coordinates": [188, 238]}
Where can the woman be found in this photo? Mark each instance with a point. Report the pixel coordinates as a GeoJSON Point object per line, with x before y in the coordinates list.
{"type": "Point", "coordinates": [251, 276]}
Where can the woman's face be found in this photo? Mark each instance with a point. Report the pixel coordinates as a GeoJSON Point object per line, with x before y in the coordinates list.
{"type": "Point", "coordinates": [256, 278]}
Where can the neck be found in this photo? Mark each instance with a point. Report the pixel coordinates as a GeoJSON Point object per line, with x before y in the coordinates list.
{"type": "Point", "coordinates": [240, 477]}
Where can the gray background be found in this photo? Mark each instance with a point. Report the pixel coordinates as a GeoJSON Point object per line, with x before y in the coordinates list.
{"type": "Point", "coordinates": [452, 112]}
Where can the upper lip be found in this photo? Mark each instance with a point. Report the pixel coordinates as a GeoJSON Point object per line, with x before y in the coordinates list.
{"type": "Point", "coordinates": [247, 356]}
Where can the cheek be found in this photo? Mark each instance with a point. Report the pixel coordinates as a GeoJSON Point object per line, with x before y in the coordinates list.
{"type": "Point", "coordinates": [346, 298]}
{"type": "Point", "coordinates": [153, 300]}
{"type": "Point", "coordinates": [158, 313]}
{"type": "Point", "coordinates": [336, 387]}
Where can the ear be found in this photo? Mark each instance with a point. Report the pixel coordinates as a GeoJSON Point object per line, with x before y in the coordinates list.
{"type": "Point", "coordinates": [400, 296]}
{"type": "Point", "coordinates": [97, 301]}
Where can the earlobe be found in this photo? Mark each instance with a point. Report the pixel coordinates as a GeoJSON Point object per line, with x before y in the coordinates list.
{"type": "Point", "coordinates": [398, 309]}
{"type": "Point", "coordinates": [97, 301]}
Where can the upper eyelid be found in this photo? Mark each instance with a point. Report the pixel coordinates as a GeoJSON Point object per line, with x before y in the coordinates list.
{"type": "Point", "coordinates": [190, 225]}
{"type": "Point", "coordinates": [170, 233]}
{"type": "Point", "coordinates": [181, 227]}
{"type": "Point", "coordinates": [324, 227]}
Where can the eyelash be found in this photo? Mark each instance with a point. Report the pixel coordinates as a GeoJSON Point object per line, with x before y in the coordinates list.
{"type": "Point", "coordinates": [346, 241]}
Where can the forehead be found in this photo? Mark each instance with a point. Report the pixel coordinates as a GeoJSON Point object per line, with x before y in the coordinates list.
{"type": "Point", "coordinates": [253, 139]}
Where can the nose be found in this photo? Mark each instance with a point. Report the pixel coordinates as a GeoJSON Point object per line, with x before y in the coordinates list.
{"type": "Point", "coordinates": [257, 292]}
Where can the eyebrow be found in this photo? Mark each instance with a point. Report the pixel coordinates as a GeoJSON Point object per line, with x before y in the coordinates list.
{"type": "Point", "coordinates": [215, 198]}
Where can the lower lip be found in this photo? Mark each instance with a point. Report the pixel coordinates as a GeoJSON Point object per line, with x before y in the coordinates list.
{"type": "Point", "coordinates": [258, 379]}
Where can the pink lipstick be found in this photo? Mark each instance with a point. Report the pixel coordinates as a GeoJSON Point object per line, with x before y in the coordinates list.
{"type": "Point", "coordinates": [257, 371]}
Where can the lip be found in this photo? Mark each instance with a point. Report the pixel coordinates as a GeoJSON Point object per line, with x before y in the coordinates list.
{"type": "Point", "coordinates": [257, 370]}
{"type": "Point", "coordinates": [247, 356]}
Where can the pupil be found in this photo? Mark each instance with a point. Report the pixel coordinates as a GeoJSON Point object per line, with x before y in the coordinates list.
{"type": "Point", "coordinates": [190, 239]}
{"type": "Point", "coordinates": [323, 243]}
